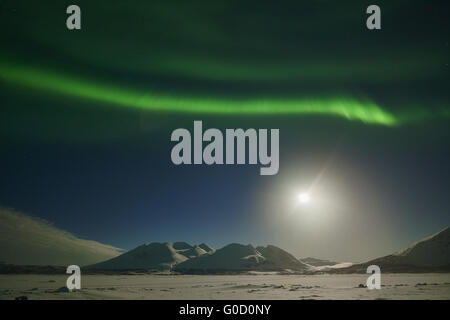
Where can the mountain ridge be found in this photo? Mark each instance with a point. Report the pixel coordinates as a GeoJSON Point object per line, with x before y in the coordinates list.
{"type": "Point", "coordinates": [430, 254]}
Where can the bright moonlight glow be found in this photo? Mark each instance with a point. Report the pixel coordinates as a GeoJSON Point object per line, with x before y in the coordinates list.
{"type": "Point", "coordinates": [303, 198]}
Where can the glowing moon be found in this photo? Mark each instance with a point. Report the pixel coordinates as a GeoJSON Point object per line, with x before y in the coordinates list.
{"type": "Point", "coordinates": [304, 198]}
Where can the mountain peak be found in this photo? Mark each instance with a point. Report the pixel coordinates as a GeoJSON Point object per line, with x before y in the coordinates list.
{"type": "Point", "coordinates": [155, 255]}
{"type": "Point", "coordinates": [205, 247]}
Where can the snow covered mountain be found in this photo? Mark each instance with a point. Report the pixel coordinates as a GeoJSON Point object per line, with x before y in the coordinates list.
{"type": "Point", "coordinates": [183, 257]}
{"type": "Point", "coordinates": [278, 259]}
{"type": "Point", "coordinates": [205, 247]}
{"type": "Point", "coordinates": [239, 257]}
{"type": "Point", "coordinates": [231, 257]}
{"type": "Point", "coordinates": [26, 240]}
{"type": "Point", "coordinates": [153, 256]}
{"type": "Point", "coordinates": [433, 251]}
{"type": "Point", "coordinates": [429, 254]}
{"type": "Point", "coordinates": [157, 256]}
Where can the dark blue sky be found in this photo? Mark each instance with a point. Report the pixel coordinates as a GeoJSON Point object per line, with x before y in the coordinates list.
{"type": "Point", "coordinates": [391, 179]}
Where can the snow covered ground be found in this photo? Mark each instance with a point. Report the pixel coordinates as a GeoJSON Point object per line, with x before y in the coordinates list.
{"type": "Point", "coordinates": [254, 286]}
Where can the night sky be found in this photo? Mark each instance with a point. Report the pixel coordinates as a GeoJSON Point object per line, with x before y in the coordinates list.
{"type": "Point", "coordinates": [86, 118]}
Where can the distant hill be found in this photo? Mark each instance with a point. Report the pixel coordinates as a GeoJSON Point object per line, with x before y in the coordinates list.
{"type": "Point", "coordinates": [427, 255]}
{"type": "Point", "coordinates": [318, 262]}
{"type": "Point", "coordinates": [239, 257]}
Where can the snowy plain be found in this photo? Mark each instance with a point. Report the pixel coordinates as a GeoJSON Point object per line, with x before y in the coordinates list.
{"type": "Point", "coordinates": [248, 286]}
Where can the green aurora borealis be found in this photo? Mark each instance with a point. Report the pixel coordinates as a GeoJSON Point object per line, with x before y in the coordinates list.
{"type": "Point", "coordinates": [75, 87]}
{"type": "Point", "coordinates": [222, 59]}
